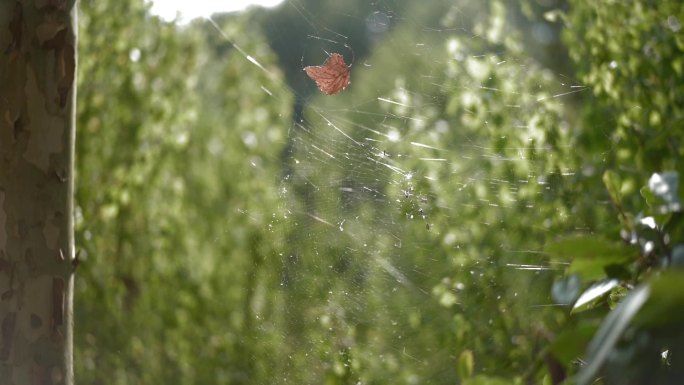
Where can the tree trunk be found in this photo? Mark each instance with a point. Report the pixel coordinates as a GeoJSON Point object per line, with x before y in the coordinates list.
{"type": "Point", "coordinates": [37, 105]}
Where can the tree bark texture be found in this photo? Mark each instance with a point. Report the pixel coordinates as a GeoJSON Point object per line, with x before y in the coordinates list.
{"type": "Point", "coordinates": [37, 105]}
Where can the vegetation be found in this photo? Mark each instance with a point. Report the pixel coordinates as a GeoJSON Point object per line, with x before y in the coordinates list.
{"type": "Point", "coordinates": [236, 227]}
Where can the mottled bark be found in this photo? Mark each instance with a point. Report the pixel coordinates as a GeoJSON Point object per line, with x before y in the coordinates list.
{"type": "Point", "coordinates": [37, 103]}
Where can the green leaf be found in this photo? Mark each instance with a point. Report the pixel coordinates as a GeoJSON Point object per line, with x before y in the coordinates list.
{"type": "Point", "coordinates": [610, 332]}
{"type": "Point", "coordinates": [590, 269]}
{"type": "Point", "coordinates": [613, 184]}
{"type": "Point", "coordinates": [590, 255]}
{"type": "Point", "coordinates": [593, 295]}
{"type": "Point", "coordinates": [572, 343]}
{"type": "Point", "coordinates": [620, 272]}
{"type": "Point", "coordinates": [653, 305]}
{"type": "Point", "coordinates": [465, 364]}
{"type": "Point", "coordinates": [649, 196]}
{"type": "Point", "coordinates": [486, 380]}
{"type": "Point", "coordinates": [588, 247]}
{"type": "Point", "coordinates": [674, 227]}
{"type": "Point", "coordinates": [663, 309]}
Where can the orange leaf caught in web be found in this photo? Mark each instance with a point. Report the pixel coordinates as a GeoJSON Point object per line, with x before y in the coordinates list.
{"type": "Point", "coordinates": [332, 77]}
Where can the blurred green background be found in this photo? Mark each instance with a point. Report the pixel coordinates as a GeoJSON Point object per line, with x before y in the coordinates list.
{"type": "Point", "coordinates": [432, 224]}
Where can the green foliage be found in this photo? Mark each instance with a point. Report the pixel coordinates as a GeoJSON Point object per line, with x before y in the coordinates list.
{"type": "Point", "coordinates": [637, 325]}
{"type": "Point", "coordinates": [468, 99]}
{"type": "Point", "coordinates": [219, 237]}
{"type": "Point", "coordinates": [132, 78]}
{"type": "Point", "coordinates": [590, 256]}
{"type": "Point", "coordinates": [630, 55]}
{"type": "Point", "coordinates": [465, 364]}
{"type": "Point", "coordinates": [170, 284]}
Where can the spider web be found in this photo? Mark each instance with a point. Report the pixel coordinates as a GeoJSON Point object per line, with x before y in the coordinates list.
{"type": "Point", "coordinates": [397, 201]}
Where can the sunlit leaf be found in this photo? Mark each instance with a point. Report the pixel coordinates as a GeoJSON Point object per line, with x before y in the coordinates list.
{"type": "Point", "coordinates": [465, 364]}
{"type": "Point", "coordinates": [593, 294]}
{"type": "Point", "coordinates": [610, 332]}
{"type": "Point", "coordinates": [613, 184]}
